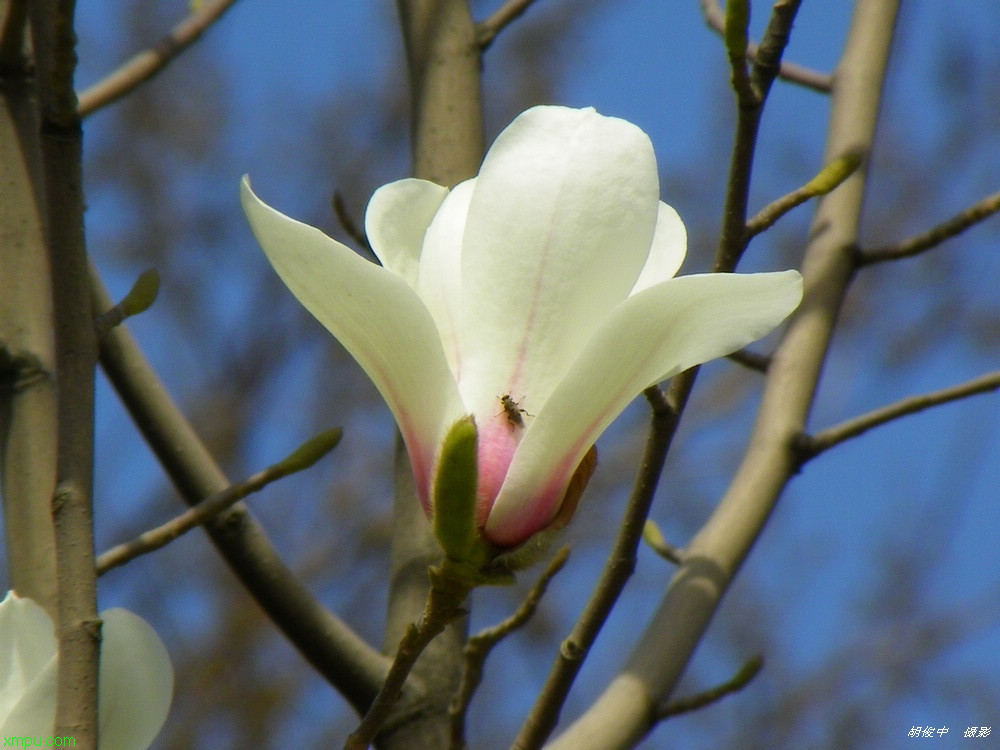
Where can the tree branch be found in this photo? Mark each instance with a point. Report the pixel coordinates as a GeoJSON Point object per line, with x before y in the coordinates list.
{"type": "Point", "coordinates": [143, 66]}
{"type": "Point", "coordinates": [506, 14]}
{"type": "Point", "coordinates": [734, 684]}
{"type": "Point", "coordinates": [790, 71]}
{"type": "Point", "coordinates": [78, 628]}
{"type": "Point", "coordinates": [623, 713]}
{"type": "Point", "coordinates": [342, 657]}
{"type": "Point", "coordinates": [305, 456]}
{"type": "Point", "coordinates": [28, 420]}
{"type": "Point", "coordinates": [933, 237]}
{"type": "Point", "coordinates": [813, 445]}
{"type": "Point", "coordinates": [617, 570]}
{"type": "Point", "coordinates": [482, 643]}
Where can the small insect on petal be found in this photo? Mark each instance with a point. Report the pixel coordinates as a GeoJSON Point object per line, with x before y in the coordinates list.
{"type": "Point", "coordinates": [513, 411]}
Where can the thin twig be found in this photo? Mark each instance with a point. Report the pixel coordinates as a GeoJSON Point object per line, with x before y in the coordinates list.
{"type": "Point", "coordinates": [617, 570]}
{"type": "Point", "coordinates": [480, 645]}
{"type": "Point", "coordinates": [444, 605]}
{"type": "Point", "coordinates": [733, 238]}
{"type": "Point", "coordinates": [751, 360]}
{"type": "Point", "coordinates": [733, 685]}
{"type": "Point", "coordinates": [304, 457]}
{"type": "Point", "coordinates": [790, 71]}
{"type": "Point", "coordinates": [933, 237]}
{"type": "Point", "coordinates": [828, 178]}
{"type": "Point", "coordinates": [510, 11]}
{"type": "Point", "coordinates": [143, 66]}
{"type": "Point", "coordinates": [851, 428]}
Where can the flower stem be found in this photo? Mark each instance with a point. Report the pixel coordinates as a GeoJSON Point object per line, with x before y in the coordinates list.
{"type": "Point", "coordinates": [448, 592]}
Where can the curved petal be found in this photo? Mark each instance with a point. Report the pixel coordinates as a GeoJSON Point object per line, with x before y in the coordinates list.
{"type": "Point", "coordinates": [440, 281]}
{"type": "Point", "coordinates": [378, 318]}
{"type": "Point", "coordinates": [27, 668]}
{"type": "Point", "coordinates": [397, 217]}
{"type": "Point", "coordinates": [649, 337]}
{"type": "Point", "coordinates": [667, 251]}
{"type": "Point", "coordinates": [136, 682]}
{"type": "Point", "coordinates": [559, 227]}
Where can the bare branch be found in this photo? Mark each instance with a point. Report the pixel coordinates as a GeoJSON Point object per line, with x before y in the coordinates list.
{"type": "Point", "coordinates": [506, 14]}
{"type": "Point", "coordinates": [345, 660]}
{"type": "Point", "coordinates": [751, 360]}
{"type": "Point", "coordinates": [828, 178]}
{"type": "Point", "coordinates": [480, 645]}
{"type": "Point", "coordinates": [812, 445]}
{"type": "Point", "coordinates": [733, 238]}
{"type": "Point", "coordinates": [444, 605]}
{"type": "Point", "coordinates": [933, 237]}
{"type": "Point", "coordinates": [790, 71]}
{"type": "Point", "coordinates": [733, 685]}
{"type": "Point", "coordinates": [305, 456]}
{"type": "Point", "coordinates": [143, 66]}
{"type": "Point", "coordinates": [78, 627]}
{"type": "Point", "coordinates": [617, 570]}
{"type": "Point", "coordinates": [622, 715]}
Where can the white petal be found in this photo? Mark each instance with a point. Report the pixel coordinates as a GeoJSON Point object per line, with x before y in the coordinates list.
{"type": "Point", "coordinates": [397, 217]}
{"type": "Point", "coordinates": [440, 283]}
{"type": "Point", "coordinates": [136, 682]}
{"type": "Point", "coordinates": [559, 226]}
{"type": "Point", "coordinates": [27, 668]}
{"type": "Point", "coordinates": [649, 337]}
{"type": "Point", "coordinates": [378, 318]}
{"type": "Point", "coordinates": [667, 252]}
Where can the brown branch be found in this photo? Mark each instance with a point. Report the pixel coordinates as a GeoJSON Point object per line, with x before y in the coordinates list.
{"type": "Point", "coordinates": [733, 238]}
{"type": "Point", "coordinates": [933, 237]}
{"type": "Point", "coordinates": [617, 570]}
{"type": "Point", "coordinates": [828, 178]}
{"type": "Point", "coordinates": [78, 628]}
{"type": "Point", "coordinates": [304, 457]}
{"type": "Point", "coordinates": [790, 71]}
{"type": "Point", "coordinates": [345, 660]}
{"type": "Point", "coordinates": [813, 445]}
{"type": "Point", "coordinates": [736, 683]}
{"type": "Point", "coordinates": [506, 14]}
{"type": "Point", "coordinates": [146, 64]}
{"type": "Point", "coordinates": [622, 715]}
{"type": "Point", "coordinates": [13, 24]}
{"type": "Point", "coordinates": [482, 643]}
{"type": "Point", "coordinates": [751, 360]}
{"type": "Point", "coordinates": [444, 605]}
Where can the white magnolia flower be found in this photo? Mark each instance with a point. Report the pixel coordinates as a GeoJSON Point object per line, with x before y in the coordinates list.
{"type": "Point", "coordinates": [537, 297]}
{"type": "Point", "coordinates": [135, 680]}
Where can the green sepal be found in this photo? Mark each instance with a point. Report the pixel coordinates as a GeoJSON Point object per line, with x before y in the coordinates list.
{"type": "Point", "coordinates": [455, 487]}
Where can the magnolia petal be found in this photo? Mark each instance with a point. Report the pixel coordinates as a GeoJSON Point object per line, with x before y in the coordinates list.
{"type": "Point", "coordinates": [440, 282]}
{"type": "Point", "coordinates": [559, 226]}
{"type": "Point", "coordinates": [649, 337]}
{"type": "Point", "coordinates": [397, 217]}
{"type": "Point", "coordinates": [667, 251]}
{"type": "Point", "coordinates": [27, 668]}
{"type": "Point", "coordinates": [377, 317]}
{"type": "Point", "coordinates": [136, 682]}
